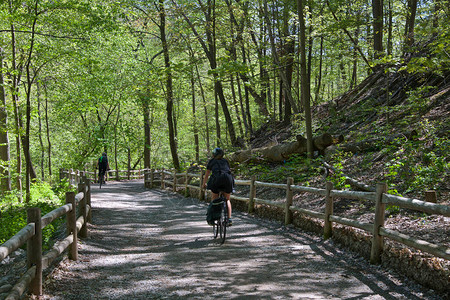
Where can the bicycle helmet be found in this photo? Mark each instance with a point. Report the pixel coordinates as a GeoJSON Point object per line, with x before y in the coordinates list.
{"type": "Point", "coordinates": [217, 153]}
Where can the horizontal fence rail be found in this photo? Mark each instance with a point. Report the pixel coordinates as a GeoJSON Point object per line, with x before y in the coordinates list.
{"type": "Point", "coordinates": [74, 176]}
{"type": "Point", "coordinates": [381, 198]}
{"type": "Point", "coordinates": [77, 211]}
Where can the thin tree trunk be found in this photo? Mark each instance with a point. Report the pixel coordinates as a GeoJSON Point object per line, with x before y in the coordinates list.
{"type": "Point", "coordinates": [210, 51]}
{"type": "Point", "coordinates": [49, 143]}
{"type": "Point", "coordinates": [216, 115]}
{"type": "Point", "coordinates": [276, 59]}
{"type": "Point", "coordinates": [147, 133]}
{"type": "Point", "coordinates": [169, 86]}
{"type": "Point", "coordinates": [41, 142]}
{"type": "Point", "coordinates": [194, 123]}
{"type": "Point", "coordinates": [17, 116]}
{"type": "Point", "coordinates": [319, 77]}
{"type": "Point", "coordinates": [233, 94]}
{"type": "Point", "coordinates": [4, 138]}
{"type": "Point", "coordinates": [30, 174]}
{"type": "Point", "coordinates": [305, 83]}
{"type": "Point", "coordinates": [243, 111]}
{"type": "Point", "coordinates": [389, 39]}
{"type": "Point", "coordinates": [202, 93]}
{"type": "Point", "coordinates": [116, 154]}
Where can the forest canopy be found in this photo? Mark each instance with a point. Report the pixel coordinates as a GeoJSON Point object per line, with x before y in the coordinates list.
{"type": "Point", "coordinates": [142, 79]}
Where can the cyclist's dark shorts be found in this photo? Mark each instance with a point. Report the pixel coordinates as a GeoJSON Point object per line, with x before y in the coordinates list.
{"type": "Point", "coordinates": [101, 172]}
{"type": "Point", "coordinates": [225, 184]}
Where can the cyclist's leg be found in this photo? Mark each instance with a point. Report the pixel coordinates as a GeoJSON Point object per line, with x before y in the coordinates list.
{"type": "Point", "coordinates": [227, 196]}
{"type": "Point", "coordinates": [101, 175]}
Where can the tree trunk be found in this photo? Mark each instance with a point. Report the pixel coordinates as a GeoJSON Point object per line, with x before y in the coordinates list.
{"type": "Point", "coordinates": [243, 111]}
{"type": "Point", "coordinates": [281, 152]}
{"type": "Point", "coordinates": [288, 63]}
{"type": "Point", "coordinates": [116, 154]}
{"type": "Point", "coordinates": [305, 83]}
{"type": "Point", "coordinates": [15, 78]}
{"type": "Point", "coordinates": [41, 142]}
{"type": "Point", "coordinates": [377, 10]}
{"type": "Point", "coordinates": [319, 77]}
{"type": "Point", "coordinates": [4, 139]}
{"type": "Point", "coordinates": [169, 87]}
{"type": "Point", "coordinates": [389, 38]}
{"type": "Point", "coordinates": [49, 143]}
{"type": "Point", "coordinates": [194, 123]}
{"type": "Point", "coordinates": [216, 115]}
{"type": "Point", "coordinates": [202, 92]}
{"type": "Point", "coordinates": [277, 62]}
{"type": "Point", "coordinates": [30, 174]}
{"type": "Point", "coordinates": [147, 133]}
{"type": "Point", "coordinates": [235, 105]}
{"type": "Point", "coordinates": [210, 50]}
{"type": "Point", "coordinates": [410, 21]}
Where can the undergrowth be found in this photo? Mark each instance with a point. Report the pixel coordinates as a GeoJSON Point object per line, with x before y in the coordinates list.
{"type": "Point", "coordinates": [14, 213]}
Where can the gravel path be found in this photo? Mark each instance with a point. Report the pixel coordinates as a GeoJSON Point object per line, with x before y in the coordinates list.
{"type": "Point", "coordinates": [152, 244]}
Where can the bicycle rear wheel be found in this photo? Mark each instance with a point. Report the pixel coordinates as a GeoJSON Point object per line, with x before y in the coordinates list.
{"type": "Point", "coordinates": [216, 228]}
{"type": "Point", "coordinates": [223, 221]}
{"type": "Point", "coordinates": [100, 179]}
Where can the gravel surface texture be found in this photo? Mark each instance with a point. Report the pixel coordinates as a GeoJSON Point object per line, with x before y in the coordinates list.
{"type": "Point", "coordinates": [153, 244]}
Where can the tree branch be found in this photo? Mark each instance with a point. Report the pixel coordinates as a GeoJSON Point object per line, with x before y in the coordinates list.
{"type": "Point", "coordinates": [43, 34]}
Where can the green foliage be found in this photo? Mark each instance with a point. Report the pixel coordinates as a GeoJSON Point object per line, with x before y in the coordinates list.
{"type": "Point", "coordinates": [419, 164]}
{"type": "Point", "coordinates": [14, 213]}
{"type": "Point", "coordinates": [337, 177]}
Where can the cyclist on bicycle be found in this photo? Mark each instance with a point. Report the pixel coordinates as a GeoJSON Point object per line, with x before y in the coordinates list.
{"type": "Point", "coordinates": [221, 179]}
{"type": "Point", "coordinates": [103, 166]}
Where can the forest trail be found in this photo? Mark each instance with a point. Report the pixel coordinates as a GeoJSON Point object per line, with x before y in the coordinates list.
{"type": "Point", "coordinates": [153, 244]}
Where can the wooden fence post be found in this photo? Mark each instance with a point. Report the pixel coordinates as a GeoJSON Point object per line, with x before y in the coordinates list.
{"type": "Point", "coordinates": [175, 181]}
{"type": "Point", "coordinates": [152, 177]}
{"type": "Point", "coordinates": [202, 191]}
{"type": "Point", "coordinates": [328, 225]}
{"type": "Point", "coordinates": [289, 195]}
{"type": "Point", "coordinates": [146, 178]}
{"type": "Point", "coordinates": [186, 191]}
{"type": "Point", "coordinates": [162, 180]}
{"type": "Point", "coordinates": [88, 198]}
{"type": "Point", "coordinates": [72, 225]}
{"type": "Point", "coordinates": [34, 250]}
{"type": "Point", "coordinates": [377, 239]}
{"type": "Point", "coordinates": [70, 176]}
{"type": "Point", "coordinates": [251, 202]}
{"type": "Point", "coordinates": [83, 210]}
{"type": "Point", "coordinates": [430, 196]}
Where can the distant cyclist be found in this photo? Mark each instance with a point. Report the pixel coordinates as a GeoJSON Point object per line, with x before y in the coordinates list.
{"type": "Point", "coordinates": [103, 166]}
{"type": "Point", "coordinates": [221, 179]}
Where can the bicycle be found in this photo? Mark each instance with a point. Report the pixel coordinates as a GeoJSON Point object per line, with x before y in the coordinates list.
{"type": "Point", "coordinates": [101, 177]}
{"type": "Point", "coordinates": [220, 225]}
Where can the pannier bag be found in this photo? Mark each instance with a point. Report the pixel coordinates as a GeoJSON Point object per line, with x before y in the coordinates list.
{"type": "Point", "coordinates": [214, 210]}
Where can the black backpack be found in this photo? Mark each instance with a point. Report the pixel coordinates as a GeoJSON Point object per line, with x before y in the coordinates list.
{"type": "Point", "coordinates": [214, 210]}
{"type": "Point", "coordinates": [103, 162]}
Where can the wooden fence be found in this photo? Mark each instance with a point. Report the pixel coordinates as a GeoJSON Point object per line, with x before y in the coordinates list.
{"type": "Point", "coordinates": [380, 197]}
{"type": "Point", "coordinates": [77, 211]}
{"type": "Point", "coordinates": [74, 175]}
